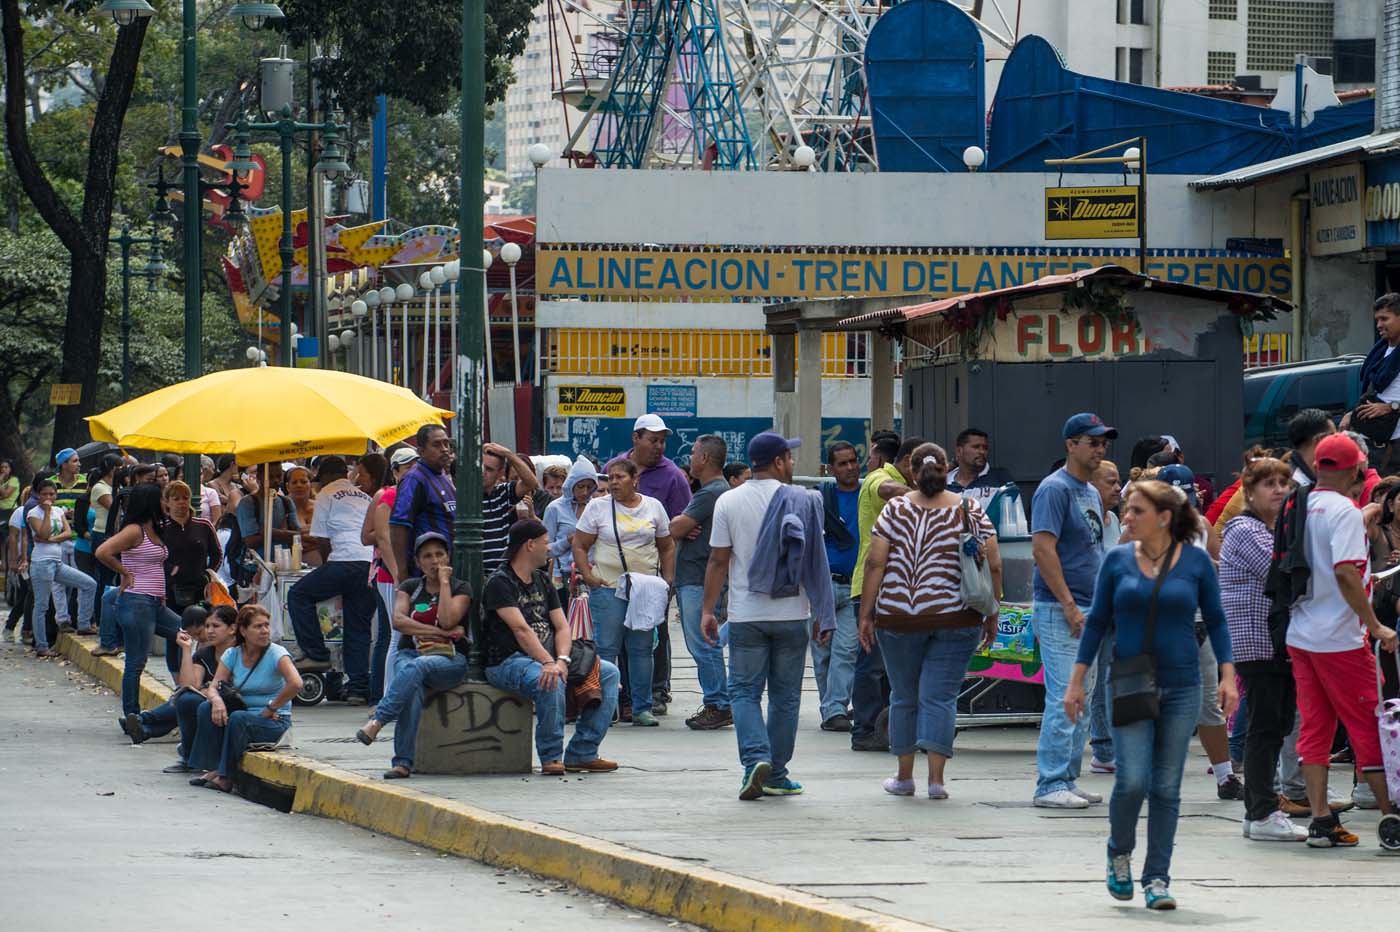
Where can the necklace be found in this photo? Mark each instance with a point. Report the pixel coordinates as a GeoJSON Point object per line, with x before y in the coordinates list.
{"type": "Point", "coordinates": [1153, 557]}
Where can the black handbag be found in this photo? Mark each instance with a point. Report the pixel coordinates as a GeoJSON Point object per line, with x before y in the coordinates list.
{"type": "Point", "coordinates": [1378, 430]}
{"type": "Point", "coordinates": [231, 695]}
{"type": "Point", "coordinates": [1136, 697]}
{"type": "Point", "coordinates": [583, 654]}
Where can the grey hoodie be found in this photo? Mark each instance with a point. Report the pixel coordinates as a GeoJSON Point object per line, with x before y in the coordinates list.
{"type": "Point", "coordinates": [559, 517]}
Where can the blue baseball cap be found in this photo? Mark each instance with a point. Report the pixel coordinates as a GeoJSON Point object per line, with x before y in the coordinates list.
{"type": "Point", "coordinates": [1180, 477]}
{"type": "Point", "coordinates": [64, 455]}
{"type": "Point", "coordinates": [1089, 425]}
{"type": "Point", "coordinates": [767, 446]}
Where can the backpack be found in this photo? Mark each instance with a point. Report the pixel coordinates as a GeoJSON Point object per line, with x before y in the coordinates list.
{"type": "Point", "coordinates": [80, 514]}
{"type": "Point", "coordinates": [1290, 575]}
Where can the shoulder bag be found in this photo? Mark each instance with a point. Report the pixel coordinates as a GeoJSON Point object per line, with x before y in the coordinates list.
{"type": "Point", "coordinates": [233, 695]}
{"type": "Point", "coordinates": [1136, 696]}
{"type": "Point", "coordinates": [976, 571]}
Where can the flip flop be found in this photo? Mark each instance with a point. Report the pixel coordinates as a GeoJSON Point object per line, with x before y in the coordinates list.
{"type": "Point", "coordinates": [199, 781]}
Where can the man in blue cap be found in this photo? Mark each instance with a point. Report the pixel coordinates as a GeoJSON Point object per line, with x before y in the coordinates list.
{"type": "Point", "coordinates": [766, 540]}
{"type": "Point", "coordinates": [1067, 544]}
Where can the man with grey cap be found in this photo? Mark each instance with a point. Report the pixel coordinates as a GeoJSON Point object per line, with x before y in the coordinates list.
{"type": "Point", "coordinates": [335, 527]}
{"type": "Point", "coordinates": [766, 541]}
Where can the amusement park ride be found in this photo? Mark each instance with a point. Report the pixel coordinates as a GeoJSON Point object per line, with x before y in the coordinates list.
{"type": "Point", "coordinates": [725, 84]}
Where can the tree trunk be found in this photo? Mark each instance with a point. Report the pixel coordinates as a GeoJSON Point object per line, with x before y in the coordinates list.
{"type": "Point", "coordinates": [12, 444]}
{"type": "Point", "coordinates": [84, 236]}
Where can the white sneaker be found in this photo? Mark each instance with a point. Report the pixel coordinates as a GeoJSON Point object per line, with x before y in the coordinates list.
{"type": "Point", "coordinates": [1088, 796]}
{"type": "Point", "coordinates": [1060, 799]}
{"type": "Point", "coordinates": [1339, 803]}
{"type": "Point", "coordinates": [1363, 797]}
{"type": "Point", "coordinates": [1277, 827]}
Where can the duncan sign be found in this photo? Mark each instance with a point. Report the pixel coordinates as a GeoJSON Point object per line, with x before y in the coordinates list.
{"type": "Point", "coordinates": [1092, 213]}
{"type": "Point", "coordinates": [592, 401]}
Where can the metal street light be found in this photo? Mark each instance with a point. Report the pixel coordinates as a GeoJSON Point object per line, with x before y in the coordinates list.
{"type": "Point", "coordinates": [510, 255]}
{"type": "Point", "coordinates": [386, 298]}
{"type": "Point", "coordinates": [404, 293]}
{"type": "Point", "coordinates": [371, 300]}
{"type": "Point", "coordinates": [255, 15]}
{"type": "Point", "coordinates": [153, 270]}
{"type": "Point", "coordinates": [466, 522]}
{"type": "Point", "coordinates": [438, 276]}
{"type": "Point", "coordinates": [126, 12]}
{"type": "Point", "coordinates": [286, 129]}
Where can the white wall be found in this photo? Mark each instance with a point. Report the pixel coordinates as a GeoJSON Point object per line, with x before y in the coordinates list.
{"type": "Point", "coordinates": [821, 209]}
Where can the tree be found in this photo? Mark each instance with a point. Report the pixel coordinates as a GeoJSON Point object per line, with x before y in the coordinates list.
{"type": "Point", "coordinates": [410, 49]}
{"type": "Point", "coordinates": [83, 232]}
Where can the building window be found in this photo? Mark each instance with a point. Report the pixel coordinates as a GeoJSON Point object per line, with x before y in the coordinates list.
{"type": "Point", "coordinates": [1279, 29]}
{"type": "Point", "coordinates": [1135, 57]}
{"type": "Point", "coordinates": [1220, 67]}
{"type": "Point", "coordinates": [1354, 61]}
{"type": "Point", "coordinates": [1224, 9]}
{"type": "Point", "coordinates": [1136, 16]}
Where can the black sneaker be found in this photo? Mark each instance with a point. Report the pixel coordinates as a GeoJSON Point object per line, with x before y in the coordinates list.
{"type": "Point", "coordinates": [710, 718]}
{"type": "Point", "coordinates": [1329, 833]}
{"type": "Point", "coordinates": [837, 722]}
{"type": "Point", "coordinates": [872, 742]}
{"type": "Point", "coordinates": [658, 707]}
{"type": "Point", "coordinates": [1232, 788]}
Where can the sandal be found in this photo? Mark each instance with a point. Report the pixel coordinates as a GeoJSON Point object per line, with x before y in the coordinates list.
{"type": "Point", "coordinates": [46, 654]}
{"type": "Point", "coordinates": [364, 738]}
{"type": "Point", "coordinates": [397, 773]}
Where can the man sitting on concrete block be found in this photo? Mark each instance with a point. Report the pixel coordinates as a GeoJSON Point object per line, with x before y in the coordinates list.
{"type": "Point", "coordinates": [430, 615]}
{"type": "Point", "coordinates": [529, 653]}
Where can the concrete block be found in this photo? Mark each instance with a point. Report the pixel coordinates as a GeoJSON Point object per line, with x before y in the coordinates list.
{"type": "Point", "coordinates": [475, 728]}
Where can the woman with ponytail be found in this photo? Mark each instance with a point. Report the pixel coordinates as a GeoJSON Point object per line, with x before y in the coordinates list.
{"type": "Point", "coordinates": [1162, 577]}
{"type": "Point", "coordinates": [911, 601]}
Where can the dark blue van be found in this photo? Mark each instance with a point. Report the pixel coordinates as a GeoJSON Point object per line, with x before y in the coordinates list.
{"type": "Point", "coordinates": [1273, 394]}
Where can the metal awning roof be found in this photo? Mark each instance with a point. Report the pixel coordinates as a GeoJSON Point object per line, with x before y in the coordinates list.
{"type": "Point", "coordinates": [1264, 305]}
{"type": "Point", "coordinates": [1250, 174]}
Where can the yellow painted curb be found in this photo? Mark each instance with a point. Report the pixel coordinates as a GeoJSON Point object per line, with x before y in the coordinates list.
{"type": "Point", "coordinates": [661, 885]}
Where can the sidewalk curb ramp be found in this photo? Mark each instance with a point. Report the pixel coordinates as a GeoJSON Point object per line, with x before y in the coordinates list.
{"type": "Point", "coordinates": [665, 886]}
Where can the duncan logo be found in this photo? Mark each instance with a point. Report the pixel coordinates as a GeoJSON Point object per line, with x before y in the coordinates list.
{"type": "Point", "coordinates": [1091, 213]}
{"type": "Point", "coordinates": [592, 401]}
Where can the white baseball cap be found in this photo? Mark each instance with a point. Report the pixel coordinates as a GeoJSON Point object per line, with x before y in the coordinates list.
{"type": "Point", "coordinates": [651, 422]}
{"type": "Point", "coordinates": [403, 456]}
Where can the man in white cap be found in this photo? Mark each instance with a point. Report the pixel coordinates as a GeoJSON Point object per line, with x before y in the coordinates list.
{"type": "Point", "coordinates": [666, 482]}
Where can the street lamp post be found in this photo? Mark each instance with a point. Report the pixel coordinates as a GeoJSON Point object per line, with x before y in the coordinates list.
{"type": "Point", "coordinates": [466, 525]}
{"type": "Point", "coordinates": [154, 269]}
{"type": "Point", "coordinates": [332, 165]}
{"type": "Point", "coordinates": [510, 255]}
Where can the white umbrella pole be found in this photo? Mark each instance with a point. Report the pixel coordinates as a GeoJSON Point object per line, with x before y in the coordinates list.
{"type": "Point", "coordinates": [267, 518]}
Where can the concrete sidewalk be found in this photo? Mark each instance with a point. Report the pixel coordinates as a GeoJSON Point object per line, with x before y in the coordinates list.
{"type": "Point", "coordinates": [982, 860]}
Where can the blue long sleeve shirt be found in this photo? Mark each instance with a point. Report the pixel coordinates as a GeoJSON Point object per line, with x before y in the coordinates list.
{"type": "Point", "coordinates": [1121, 597]}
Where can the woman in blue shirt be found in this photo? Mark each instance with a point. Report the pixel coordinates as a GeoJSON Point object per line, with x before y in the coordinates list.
{"type": "Point", "coordinates": [1151, 754]}
{"type": "Point", "coordinates": [264, 675]}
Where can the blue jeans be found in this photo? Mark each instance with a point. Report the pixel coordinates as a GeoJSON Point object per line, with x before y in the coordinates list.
{"type": "Point", "coordinates": [1151, 756]}
{"type": "Point", "coordinates": [520, 675]}
{"type": "Point", "coordinates": [109, 629]}
{"type": "Point", "coordinates": [1060, 752]}
{"type": "Point", "coordinates": [1239, 730]}
{"type": "Point", "coordinates": [101, 574]}
{"type": "Point", "coordinates": [181, 709]}
{"type": "Point", "coordinates": [771, 653]}
{"type": "Point", "coordinates": [141, 618]}
{"type": "Point", "coordinates": [709, 659]}
{"type": "Point", "coordinates": [1100, 727]}
{"type": "Point", "coordinates": [348, 579]}
{"type": "Point", "coordinates": [612, 637]}
{"type": "Point", "coordinates": [925, 669]}
{"type": "Point", "coordinates": [221, 748]}
{"type": "Point", "coordinates": [867, 687]}
{"type": "Point", "coordinates": [384, 634]}
{"type": "Point", "coordinates": [56, 577]}
{"type": "Point", "coordinates": [834, 663]}
{"type": "Point", "coordinates": [403, 700]}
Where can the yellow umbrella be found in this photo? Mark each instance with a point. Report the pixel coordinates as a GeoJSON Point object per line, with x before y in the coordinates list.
{"type": "Point", "coordinates": [267, 413]}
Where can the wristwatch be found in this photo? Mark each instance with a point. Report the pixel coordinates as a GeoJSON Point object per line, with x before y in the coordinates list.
{"type": "Point", "coordinates": [1395, 406]}
{"type": "Point", "coordinates": [565, 659]}
{"type": "Point", "coordinates": [272, 705]}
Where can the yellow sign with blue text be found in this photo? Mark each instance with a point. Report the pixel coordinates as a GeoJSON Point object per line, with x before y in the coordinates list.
{"type": "Point", "coordinates": [1100, 212]}
{"type": "Point", "coordinates": [679, 273]}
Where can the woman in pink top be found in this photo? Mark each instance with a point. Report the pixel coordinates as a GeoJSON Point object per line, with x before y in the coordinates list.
{"type": "Point", "coordinates": [385, 571]}
{"type": "Point", "coordinates": [137, 555]}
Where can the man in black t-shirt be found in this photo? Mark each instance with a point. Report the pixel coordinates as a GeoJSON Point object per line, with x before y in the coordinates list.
{"type": "Point", "coordinates": [528, 652]}
{"type": "Point", "coordinates": [203, 638]}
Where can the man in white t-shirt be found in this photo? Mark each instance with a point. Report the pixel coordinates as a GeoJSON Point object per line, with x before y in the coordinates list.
{"type": "Point", "coordinates": [767, 636]}
{"type": "Point", "coordinates": [335, 528]}
{"type": "Point", "coordinates": [1332, 667]}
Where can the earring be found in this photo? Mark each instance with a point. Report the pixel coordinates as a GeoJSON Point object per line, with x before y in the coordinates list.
{"type": "Point", "coordinates": [1161, 524]}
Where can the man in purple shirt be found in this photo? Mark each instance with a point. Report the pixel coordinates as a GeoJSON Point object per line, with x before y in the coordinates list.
{"type": "Point", "coordinates": [660, 477]}
{"type": "Point", "coordinates": [666, 482]}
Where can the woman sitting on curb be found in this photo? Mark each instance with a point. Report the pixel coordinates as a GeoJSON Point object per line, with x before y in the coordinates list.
{"type": "Point", "coordinates": [265, 677]}
{"type": "Point", "coordinates": [432, 649]}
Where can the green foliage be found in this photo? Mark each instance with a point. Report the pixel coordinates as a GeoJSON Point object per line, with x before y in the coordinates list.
{"type": "Point", "coordinates": [410, 49]}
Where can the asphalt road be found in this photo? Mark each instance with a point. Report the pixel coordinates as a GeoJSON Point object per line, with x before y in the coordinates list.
{"type": "Point", "coordinates": [93, 835]}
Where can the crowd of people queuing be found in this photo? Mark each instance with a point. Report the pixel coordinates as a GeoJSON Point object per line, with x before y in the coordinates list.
{"type": "Point", "coordinates": [1161, 609]}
